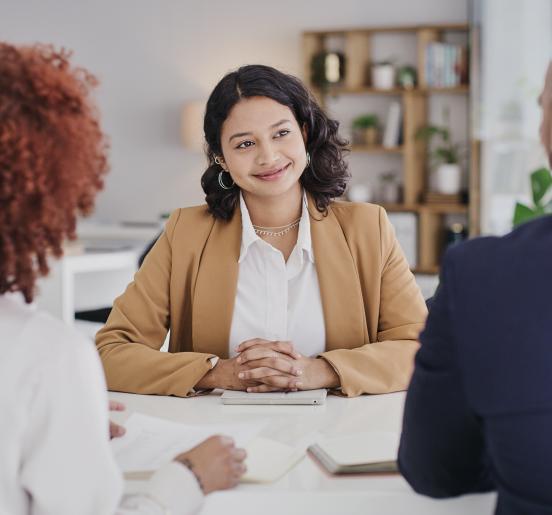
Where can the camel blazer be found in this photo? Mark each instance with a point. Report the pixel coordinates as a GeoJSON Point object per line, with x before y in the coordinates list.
{"type": "Point", "coordinates": [373, 309]}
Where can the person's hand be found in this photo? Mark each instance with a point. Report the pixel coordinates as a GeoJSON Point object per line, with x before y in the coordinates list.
{"type": "Point", "coordinates": [225, 375]}
{"type": "Point", "coordinates": [274, 358]}
{"type": "Point", "coordinates": [216, 462]}
{"type": "Point", "coordinates": [115, 430]}
{"type": "Point", "coordinates": [305, 373]}
{"type": "Point", "coordinates": [271, 365]}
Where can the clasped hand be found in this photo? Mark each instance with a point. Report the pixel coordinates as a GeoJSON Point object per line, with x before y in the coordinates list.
{"type": "Point", "coordinates": [268, 366]}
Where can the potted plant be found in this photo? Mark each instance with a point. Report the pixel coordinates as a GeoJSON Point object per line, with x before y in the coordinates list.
{"type": "Point", "coordinates": [389, 188]}
{"type": "Point", "coordinates": [383, 75]}
{"type": "Point", "coordinates": [366, 129]}
{"type": "Point", "coordinates": [406, 77]}
{"type": "Point", "coordinates": [541, 183]}
{"type": "Point", "coordinates": [445, 158]}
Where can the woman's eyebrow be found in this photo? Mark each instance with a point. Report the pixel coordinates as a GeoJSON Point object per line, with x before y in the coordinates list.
{"type": "Point", "coordinates": [279, 123]}
{"type": "Point", "coordinates": [241, 134]}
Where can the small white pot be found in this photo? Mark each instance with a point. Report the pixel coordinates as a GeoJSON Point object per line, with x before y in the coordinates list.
{"type": "Point", "coordinates": [448, 179]}
{"type": "Point", "coordinates": [383, 76]}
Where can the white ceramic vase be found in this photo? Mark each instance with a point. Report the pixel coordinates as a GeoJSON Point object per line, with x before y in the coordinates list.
{"type": "Point", "coordinates": [383, 76]}
{"type": "Point", "coordinates": [448, 178]}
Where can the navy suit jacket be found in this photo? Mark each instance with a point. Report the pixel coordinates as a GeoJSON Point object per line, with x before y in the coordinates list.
{"type": "Point", "coordinates": [478, 413]}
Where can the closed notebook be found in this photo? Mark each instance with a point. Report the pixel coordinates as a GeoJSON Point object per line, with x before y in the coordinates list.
{"type": "Point", "coordinates": [369, 452]}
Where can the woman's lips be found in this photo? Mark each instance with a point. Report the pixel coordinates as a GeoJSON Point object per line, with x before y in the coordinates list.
{"type": "Point", "coordinates": [273, 175]}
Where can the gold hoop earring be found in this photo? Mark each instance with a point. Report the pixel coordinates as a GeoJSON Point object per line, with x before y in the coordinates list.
{"type": "Point", "coordinates": [218, 160]}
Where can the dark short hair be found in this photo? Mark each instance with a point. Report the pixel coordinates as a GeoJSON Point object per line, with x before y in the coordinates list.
{"type": "Point", "coordinates": [327, 175]}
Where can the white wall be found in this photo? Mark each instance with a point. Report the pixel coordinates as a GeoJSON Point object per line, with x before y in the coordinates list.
{"type": "Point", "coordinates": [152, 56]}
{"type": "Point", "coordinates": [516, 47]}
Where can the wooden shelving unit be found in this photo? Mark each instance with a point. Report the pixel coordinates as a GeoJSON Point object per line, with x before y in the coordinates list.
{"type": "Point", "coordinates": [413, 152]}
{"type": "Point", "coordinates": [376, 149]}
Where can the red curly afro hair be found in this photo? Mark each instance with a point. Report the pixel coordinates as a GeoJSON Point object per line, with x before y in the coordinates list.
{"type": "Point", "coordinates": [53, 157]}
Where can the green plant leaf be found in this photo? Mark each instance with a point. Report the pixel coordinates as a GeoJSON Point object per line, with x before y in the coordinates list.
{"type": "Point", "coordinates": [365, 121]}
{"type": "Point", "coordinates": [541, 180]}
{"type": "Point", "coordinates": [523, 214]}
{"type": "Point", "coordinates": [429, 131]}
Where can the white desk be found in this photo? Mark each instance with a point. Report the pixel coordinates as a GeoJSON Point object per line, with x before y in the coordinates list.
{"type": "Point", "coordinates": [88, 281]}
{"type": "Point", "coordinates": [306, 488]}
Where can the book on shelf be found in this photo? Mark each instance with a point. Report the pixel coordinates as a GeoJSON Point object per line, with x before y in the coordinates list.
{"type": "Point", "coordinates": [446, 65]}
{"type": "Point", "coordinates": [432, 197]}
{"type": "Point", "coordinates": [392, 134]}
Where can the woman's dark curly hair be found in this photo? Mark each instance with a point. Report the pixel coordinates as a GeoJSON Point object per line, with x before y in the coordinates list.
{"type": "Point", "coordinates": [325, 178]}
{"type": "Point", "coordinates": [52, 159]}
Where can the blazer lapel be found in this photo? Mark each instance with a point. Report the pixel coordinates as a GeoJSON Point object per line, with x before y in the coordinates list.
{"type": "Point", "coordinates": [339, 283]}
{"type": "Point", "coordinates": [215, 288]}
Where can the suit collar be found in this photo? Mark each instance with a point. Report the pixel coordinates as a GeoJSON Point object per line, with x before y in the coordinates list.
{"type": "Point", "coordinates": [217, 279]}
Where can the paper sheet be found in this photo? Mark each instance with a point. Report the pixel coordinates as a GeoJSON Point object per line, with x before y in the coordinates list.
{"type": "Point", "coordinates": [268, 460]}
{"type": "Point", "coordinates": [150, 442]}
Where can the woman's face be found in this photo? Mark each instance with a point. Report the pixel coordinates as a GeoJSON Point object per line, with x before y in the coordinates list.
{"type": "Point", "coordinates": [263, 147]}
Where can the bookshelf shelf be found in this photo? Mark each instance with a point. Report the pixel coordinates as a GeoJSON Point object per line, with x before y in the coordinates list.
{"type": "Point", "coordinates": [458, 90]}
{"type": "Point", "coordinates": [433, 49]}
{"type": "Point", "coordinates": [431, 270]}
{"type": "Point", "coordinates": [427, 208]}
{"type": "Point", "coordinates": [397, 92]}
{"type": "Point", "coordinates": [377, 149]}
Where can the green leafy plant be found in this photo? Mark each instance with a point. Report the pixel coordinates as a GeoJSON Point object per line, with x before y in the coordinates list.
{"type": "Point", "coordinates": [446, 152]}
{"type": "Point", "coordinates": [365, 121]}
{"type": "Point", "coordinates": [541, 182]}
{"type": "Point", "coordinates": [407, 76]}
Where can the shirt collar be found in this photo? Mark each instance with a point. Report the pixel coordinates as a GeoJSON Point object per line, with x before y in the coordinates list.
{"type": "Point", "coordinates": [249, 236]}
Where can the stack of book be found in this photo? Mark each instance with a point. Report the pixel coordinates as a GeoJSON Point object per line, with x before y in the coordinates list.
{"type": "Point", "coordinates": [392, 135]}
{"type": "Point", "coordinates": [446, 65]}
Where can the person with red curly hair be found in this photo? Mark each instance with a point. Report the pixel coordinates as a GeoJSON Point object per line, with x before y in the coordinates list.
{"type": "Point", "coordinates": [54, 436]}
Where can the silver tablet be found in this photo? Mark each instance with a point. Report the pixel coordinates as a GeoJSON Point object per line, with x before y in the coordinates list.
{"type": "Point", "coordinates": [302, 397]}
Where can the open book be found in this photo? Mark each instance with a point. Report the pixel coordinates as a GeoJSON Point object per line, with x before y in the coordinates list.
{"type": "Point", "coordinates": [373, 452]}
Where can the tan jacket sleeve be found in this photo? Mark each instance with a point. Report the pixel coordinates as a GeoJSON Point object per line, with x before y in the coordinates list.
{"type": "Point", "coordinates": [129, 343]}
{"type": "Point", "coordinates": [385, 365]}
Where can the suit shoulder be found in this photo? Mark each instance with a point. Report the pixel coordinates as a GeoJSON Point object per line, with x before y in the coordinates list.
{"type": "Point", "coordinates": [189, 217]}
{"type": "Point", "coordinates": [361, 212]}
{"type": "Point", "coordinates": [531, 236]}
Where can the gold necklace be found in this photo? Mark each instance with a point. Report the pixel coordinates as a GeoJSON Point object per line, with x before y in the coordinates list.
{"type": "Point", "coordinates": [275, 231]}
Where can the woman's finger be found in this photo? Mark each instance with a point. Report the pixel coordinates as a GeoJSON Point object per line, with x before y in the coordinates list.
{"type": "Point", "coordinates": [286, 348]}
{"type": "Point", "coordinates": [278, 383]}
{"type": "Point", "coordinates": [116, 406]}
{"type": "Point", "coordinates": [250, 343]}
{"type": "Point", "coordinates": [258, 374]}
{"type": "Point", "coordinates": [283, 347]}
{"type": "Point", "coordinates": [115, 430]}
{"type": "Point", "coordinates": [263, 388]}
{"type": "Point", "coordinates": [269, 367]}
{"type": "Point", "coordinates": [261, 352]}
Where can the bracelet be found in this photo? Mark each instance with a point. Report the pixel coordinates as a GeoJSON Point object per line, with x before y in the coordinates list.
{"type": "Point", "coordinates": [187, 463]}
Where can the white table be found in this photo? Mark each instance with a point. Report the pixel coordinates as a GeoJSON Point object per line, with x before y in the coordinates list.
{"type": "Point", "coordinates": [87, 281]}
{"type": "Point", "coordinates": [307, 488]}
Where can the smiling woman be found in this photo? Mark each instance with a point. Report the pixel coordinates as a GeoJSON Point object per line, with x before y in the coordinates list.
{"type": "Point", "coordinates": [273, 285]}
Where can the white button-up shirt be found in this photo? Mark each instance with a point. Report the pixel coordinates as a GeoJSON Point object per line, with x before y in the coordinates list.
{"type": "Point", "coordinates": [54, 436]}
{"type": "Point", "coordinates": [276, 300]}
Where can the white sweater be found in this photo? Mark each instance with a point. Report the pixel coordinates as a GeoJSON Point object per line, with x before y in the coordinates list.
{"type": "Point", "coordinates": [55, 457]}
